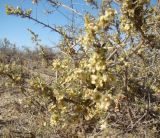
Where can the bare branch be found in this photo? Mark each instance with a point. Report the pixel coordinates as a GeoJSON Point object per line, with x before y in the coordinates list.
{"type": "Point", "coordinates": [53, 3]}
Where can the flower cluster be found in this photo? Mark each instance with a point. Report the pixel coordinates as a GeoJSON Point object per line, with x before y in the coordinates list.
{"type": "Point", "coordinates": [131, 14]}
{"type": "Point", "coordinates": [18, 11]}
{"type": "Point", "coordinates": [12, 71]}
{"type": "Point", "coordinates": [107, 18]}
{"type": "Point", "coordinates": [59, 64]}
{"type": "Point", "coordinates": [94, 27]}
{"type": "Point", "coordinates": [126, 25]}
{"type": "Point", "coordinates": [97, 67]}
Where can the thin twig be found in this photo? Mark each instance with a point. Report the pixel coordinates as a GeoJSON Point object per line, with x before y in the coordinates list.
{"type": "Point", "coordinates": [64, 6]}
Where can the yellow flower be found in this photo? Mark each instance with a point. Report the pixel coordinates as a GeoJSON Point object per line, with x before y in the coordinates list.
{"type": "Point", "coordinates": [54, 119]}
{"type": "Point", "coordinates": [94, 79]}
{"type": "Point", "coordinates": [109, 14]}
{"type": "Point", "coordinates": [127, 27]}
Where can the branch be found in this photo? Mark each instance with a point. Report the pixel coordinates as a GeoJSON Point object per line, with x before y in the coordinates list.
{"type": "Point", "coordinates": [53, 3]}
{"type": "Point", "coordinates": [46, 25]}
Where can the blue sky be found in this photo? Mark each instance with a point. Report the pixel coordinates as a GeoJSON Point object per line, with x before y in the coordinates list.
{"type": "Point", "coordinates": [15, 28]}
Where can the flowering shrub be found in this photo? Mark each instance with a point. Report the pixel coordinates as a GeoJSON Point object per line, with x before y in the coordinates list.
{"type": "Point", "coordinates": [113, 76]}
